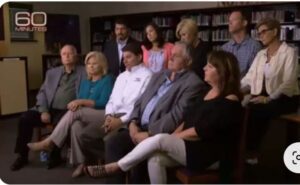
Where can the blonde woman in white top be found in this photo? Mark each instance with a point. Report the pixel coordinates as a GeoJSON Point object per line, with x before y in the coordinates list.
{"type": "Point", "coordinates": [272, 83]}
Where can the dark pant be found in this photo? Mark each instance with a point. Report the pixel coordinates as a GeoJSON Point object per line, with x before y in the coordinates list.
{"type": "Point", "coordinates": [92, 143]}
{"type": "Point", "coordinates": [261, 115]}
{"type": "Point", "coordinates": [28, 121]}
{"type": "Point", "coordinates": [117, 146]}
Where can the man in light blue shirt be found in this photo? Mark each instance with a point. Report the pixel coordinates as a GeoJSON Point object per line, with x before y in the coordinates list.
{"type": "Point", "coordinates": [241, 45]}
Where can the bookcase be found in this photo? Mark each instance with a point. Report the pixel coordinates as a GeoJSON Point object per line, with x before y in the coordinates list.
{"type": "Point", "coordinates": [212, 23]}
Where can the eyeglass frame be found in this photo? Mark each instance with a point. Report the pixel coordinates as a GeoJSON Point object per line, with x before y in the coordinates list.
{"type": "Point", "coordinates": [263, 31]}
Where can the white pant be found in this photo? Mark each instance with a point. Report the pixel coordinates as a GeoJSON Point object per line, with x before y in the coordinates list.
{"type": "Point", "coordinates": [161, 150]}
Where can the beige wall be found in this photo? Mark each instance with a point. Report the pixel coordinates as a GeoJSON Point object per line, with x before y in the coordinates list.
{"type": "Point", "coordinates": [32, 50]}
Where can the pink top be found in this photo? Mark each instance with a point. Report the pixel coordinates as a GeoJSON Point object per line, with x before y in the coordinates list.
{"type": "Point", "coordinates": [167, 47]}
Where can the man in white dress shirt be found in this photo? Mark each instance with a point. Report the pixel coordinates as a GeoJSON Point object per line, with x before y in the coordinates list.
{"type": "Point", "coordinates": [128, 88]}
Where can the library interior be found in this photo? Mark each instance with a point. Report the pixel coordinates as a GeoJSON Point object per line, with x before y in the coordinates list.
{"type": "Point", "coordinates": [150, 75]}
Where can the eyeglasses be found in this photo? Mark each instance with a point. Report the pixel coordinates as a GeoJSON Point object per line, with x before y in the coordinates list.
{"type": "Point", "coordinates": [262, 32]}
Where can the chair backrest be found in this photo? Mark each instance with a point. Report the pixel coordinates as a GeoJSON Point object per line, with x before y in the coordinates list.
{"type": "Point", "coordinates": [230, 170]}
{"type": "Point", "coordinates": [237, 167]}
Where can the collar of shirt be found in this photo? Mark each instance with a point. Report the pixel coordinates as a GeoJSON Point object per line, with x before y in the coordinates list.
{"type": "Point", "coordinates": [135, 68]}
{"type": "Point", "coordinates": [282, 48]}
{"type": "Point", "coordinates": [233, 42]}
{"type": "Point", "coordinates": [177, 75]}
{"type": "Point", "coordinates": [72, 70]}
{"type": "Point", "coordinates": [122, 42]}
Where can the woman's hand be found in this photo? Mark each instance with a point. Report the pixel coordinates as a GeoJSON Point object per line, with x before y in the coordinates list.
{"type": "Point", "coordinates": [188, 134]}
{"type": "Point", "coordinates": [260, 99]}
{"type": "Point", "coordinates": [74, 105]}
{"type": "Point", "coordinates": [179, 128]}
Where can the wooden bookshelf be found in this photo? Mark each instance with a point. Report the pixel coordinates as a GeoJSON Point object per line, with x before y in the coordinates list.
{"type": "Point", "coordinates": [212, 23]}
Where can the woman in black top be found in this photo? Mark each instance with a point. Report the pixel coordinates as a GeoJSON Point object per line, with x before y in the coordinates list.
{"type": "Point", "coordinates": [209, 131]}
{"type": "Point", "coordinates": [187, 31]}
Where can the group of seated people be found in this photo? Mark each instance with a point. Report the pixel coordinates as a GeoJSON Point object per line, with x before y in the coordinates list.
{"type": "Point", "coordinates": [161, 104]}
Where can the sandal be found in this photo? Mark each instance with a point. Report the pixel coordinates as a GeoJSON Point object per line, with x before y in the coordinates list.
{"type": "Point", "coordinates": [96, 171]}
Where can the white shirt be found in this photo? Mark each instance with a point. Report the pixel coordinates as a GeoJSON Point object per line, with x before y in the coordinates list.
{"type": "Point", "coordinates": [121, 44]}
{"type": "Point", "coordinates": [128, 88]}
{"type": "Point", "coordinates": [282, 72]}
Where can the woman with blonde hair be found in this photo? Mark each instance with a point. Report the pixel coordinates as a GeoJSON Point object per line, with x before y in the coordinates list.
{"type": "Point", "coordinates": [271, 84]}
{"type": "Point", "coordinates": [86, 110]}
{"type": "Point", "coordinates": [187, 31]}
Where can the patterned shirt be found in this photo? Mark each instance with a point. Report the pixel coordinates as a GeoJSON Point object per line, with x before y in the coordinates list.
{"type": "Point", "coordinates": [156, 61]}
{"type": "Point", "coordinates": [245, 52]}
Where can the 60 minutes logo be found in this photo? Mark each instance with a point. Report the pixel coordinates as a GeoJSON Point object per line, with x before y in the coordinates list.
{"type": "Point", "coordinates": [35, 21]}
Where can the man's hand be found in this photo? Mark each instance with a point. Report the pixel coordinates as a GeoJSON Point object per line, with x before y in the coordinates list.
{"type": "Point", "coordinates": [74, 105]}
{"type": "Point", "coordinates": [133, 130]}
{"type": "Point", "coordinates": [140, 136]}
{"type": "Point", "coordinates": [45, 117]}
{"type": "Point", "coordinates": [111, 123]}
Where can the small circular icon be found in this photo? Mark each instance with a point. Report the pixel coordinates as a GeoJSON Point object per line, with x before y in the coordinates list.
{"type": "Point", "coordinates": [291, 157]}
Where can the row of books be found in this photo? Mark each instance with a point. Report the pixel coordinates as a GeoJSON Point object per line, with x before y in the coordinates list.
{"type": "Point", "coordinates": [221, 35]}
{"type": "Point", "coordinates": [277, 14]}
{"type": "Point", "coordinates": [220, 19]}
{"type": "Point", "coordinates": [287, 33]}
{"type": "Point", "coordinates": [201, 19]}
{"type": "Point", "coordinates": [283, 16]}
{"type": "Point", "coordinates": [163, 21]}
{"type": "Point", "coordinates": [204, 35]}
{"type": "Point", "coordinates": [137, 35]}
{"type": "Point", "coordinates": [169, 35]}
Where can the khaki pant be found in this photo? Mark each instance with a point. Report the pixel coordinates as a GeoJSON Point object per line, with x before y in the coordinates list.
{"type": "Point", "coordinates": [77, 122]}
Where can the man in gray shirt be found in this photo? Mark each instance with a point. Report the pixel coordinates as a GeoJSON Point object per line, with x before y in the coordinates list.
{"type": "Point", "coordinates": [59, 88]}
{"type": "Point", "coordinates": [241, 45]}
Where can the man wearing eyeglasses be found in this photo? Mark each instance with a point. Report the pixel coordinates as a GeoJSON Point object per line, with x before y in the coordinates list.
{"type": "Point", "coordinates": [241, 45]}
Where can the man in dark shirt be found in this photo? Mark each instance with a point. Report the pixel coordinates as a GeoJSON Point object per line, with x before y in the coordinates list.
{"type": "Point", "coordinates": [113, 48]}
{"type": "Point", "coordinates": [59, 88]}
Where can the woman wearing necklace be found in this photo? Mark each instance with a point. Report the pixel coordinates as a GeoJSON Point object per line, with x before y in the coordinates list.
{"type": "Point", "coordinates": [156, 52]}
{"type": "Point", "coordinates": [272, 84]}
{"type": "Point", "coordinates": [87, 109]}
{"type": "Point", "coordinates": [209, 131]}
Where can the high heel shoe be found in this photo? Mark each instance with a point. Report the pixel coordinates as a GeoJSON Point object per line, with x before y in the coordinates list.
{"type": "Point", "coordinates": [100, 171]}
{"type": "Point", "coordinates": [96, 171]}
